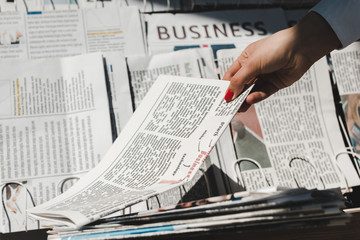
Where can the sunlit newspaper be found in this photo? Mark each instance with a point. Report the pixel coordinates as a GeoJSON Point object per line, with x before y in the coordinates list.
{"type": "Point", "coordinates": [113, 31]}
{"type": "Point", "coordinates": [215, 29]}
{"type": "Point", "coordinates": [49, 186]}
{"type": "Point", "coordinates": [54, 123]}
{"type": "Point", "coordinates": [162, 146]}
{"type": "Point", "coordinates": [71, 32]}
{"type": "Point", "coordinates": [293, 135]}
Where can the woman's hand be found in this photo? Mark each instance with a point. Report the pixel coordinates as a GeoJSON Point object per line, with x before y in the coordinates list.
{"type": "Point", "coordinates": [278, 61]}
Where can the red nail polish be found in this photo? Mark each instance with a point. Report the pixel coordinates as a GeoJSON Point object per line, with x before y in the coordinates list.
{"type": "Point", "coordinates": [228, 96]}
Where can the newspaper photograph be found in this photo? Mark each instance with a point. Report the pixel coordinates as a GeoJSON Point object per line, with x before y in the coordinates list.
{"type": "Point", "coordinates": [296, 128]}
{"type": "Point", "coordinates": [346, 66]}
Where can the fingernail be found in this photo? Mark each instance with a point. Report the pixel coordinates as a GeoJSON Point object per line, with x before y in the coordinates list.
{"type": "Point", "coordinates": [228, 96]}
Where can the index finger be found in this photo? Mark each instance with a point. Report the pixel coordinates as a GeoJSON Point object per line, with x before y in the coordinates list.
{"type": "Point", "coordinates": [234, 68]}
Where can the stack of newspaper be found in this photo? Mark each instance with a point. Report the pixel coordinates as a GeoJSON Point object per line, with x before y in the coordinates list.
{"type": "Point", "coordinates": [243, 211]}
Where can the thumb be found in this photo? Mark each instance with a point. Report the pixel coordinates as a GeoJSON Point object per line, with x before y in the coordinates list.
{"type": "Point", "coordinates": [246, 75]}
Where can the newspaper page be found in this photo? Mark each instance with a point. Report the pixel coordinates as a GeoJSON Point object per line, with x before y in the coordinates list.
{"type": "Point", "coordinates": [297, 124]}
{"type": "Point", "coordinates": [199, 63]}
{"type": "Point", "coordinates": [217, 29]}
{"type": "Point", "coordinates": [347, 74]}
{"type": "Point", "coordinates": [68, 33]}
{"type": "Point", "coordinates": [191, 63]}
{"type": "Point", "coordinates": [120, 107]}
{"type": "Point", "coordinates": [54, 122]}
{"type": "Point", "coordinates": [86, 30]}
{"type": "Point", "coordinates": [170, 134]}
{"type": "Point", "coordinates": [72, 32]}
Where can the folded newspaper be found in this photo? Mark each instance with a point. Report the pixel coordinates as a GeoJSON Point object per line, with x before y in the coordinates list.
{"type": "Point", "coordinates": [163, 145]}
